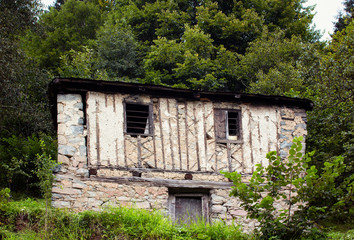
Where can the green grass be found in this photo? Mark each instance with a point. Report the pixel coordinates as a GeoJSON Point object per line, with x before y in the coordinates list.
{"type": "Point", "coordinates": [25, 220]}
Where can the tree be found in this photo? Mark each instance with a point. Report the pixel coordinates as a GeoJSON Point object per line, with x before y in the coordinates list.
{"type": "Point", "coordinates": [331, 122]}
{"type": "Point", "coordinates": [310, 195]}
{"type": "Point", "coordinates": [70, 27]}
{"type": "Point", "coordinates": [276, 65]}
{"type": "Point", "coordinates": [23, 86]}
{"type": "Point", "coordinates": [118, 51]}
{"type": "Point", "coordinates": [81, 65]}
{"type": "Point", "coordinates": [194, 62]}
{"type": "Point", "coordinates": [343, 19]}
{"type": "Point", "coordinates": [135, 31]}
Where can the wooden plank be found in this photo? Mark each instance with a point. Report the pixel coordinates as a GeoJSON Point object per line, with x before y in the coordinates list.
{"type": "Point", "coordinates": [220, 123]}
{"type": "Point", "coordinates": [119, 115]}
{"type": "Point", "coordinates": [161, 135]}
{"type": "Point", "coordinates": [139, 150]}
{"type": "Point", "coordinates": [98, 147]}
{"type": "Point", "coordinates": [186, 132]}
{"type": "Point", "coordinates": [188, 209]}
{"type": "Point", "coordinates": [89, 129]}
{"type": "Point", "coordinates": [209, 136]}
{"type": "Point", "coordinates": [171, 106]}
{"type": "Point", "coordinates": [152, 122]}
{"type": "Point", "coordinates": [159, 164]}
{"type": "Point", "coordinates": [192, 138]}
{"type": "Point", "coordinates": [179, 135]}
{"type": "Point", "coordinates": [164, 182]}
{"type": "Point", "coordinates": [196, 134]}
{"type": "Point", "coordinates": [165, 132]}
{"type": "Point", "coordinates": [158, 170]}
{"type": "Point", "coordinates": [229, 156]}
{"type": "Point", "coordinates": [201, 139]}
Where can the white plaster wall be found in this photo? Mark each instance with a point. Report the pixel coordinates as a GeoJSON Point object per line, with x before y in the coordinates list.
{"type": "Point", "coordinates": [183, 136]}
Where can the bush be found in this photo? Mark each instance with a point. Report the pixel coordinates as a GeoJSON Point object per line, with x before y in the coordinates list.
{"type": "Point", "coordinates": [291, 181]}
{"type": "Point", "coordinates": [19, 160]}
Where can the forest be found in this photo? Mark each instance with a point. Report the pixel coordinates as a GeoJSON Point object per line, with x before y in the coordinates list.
{"type": "Point", "coordinates": [252, 46]}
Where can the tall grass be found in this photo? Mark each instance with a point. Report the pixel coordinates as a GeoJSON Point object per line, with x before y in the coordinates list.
{"type": "Point", "coordinates": [25, 220]}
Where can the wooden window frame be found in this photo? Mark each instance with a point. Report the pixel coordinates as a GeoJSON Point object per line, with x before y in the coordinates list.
{"type": "Point", "coordinates": [223, 137]}
{"type": "Point", "coordinates": [204, 199]}
{"type": "Point", "coordinates": [150, 119]}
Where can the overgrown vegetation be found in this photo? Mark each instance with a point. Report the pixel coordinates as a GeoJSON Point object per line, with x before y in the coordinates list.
{"type": "Point", "coordinates": [20, 158]}
{"type": "Point", "coordinates": [299, 187]}
{"type": "Point", "coordinates": [24, 220]}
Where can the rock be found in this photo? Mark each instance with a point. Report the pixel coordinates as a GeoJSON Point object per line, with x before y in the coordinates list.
{"type": "Point", "coordinates": [66, 150]}
{"type": "Point", "coordinates": [217, 199]}
{"type": "Point", "coordinates": [77, 130]}
{"type": "Point", "coordinates": [218, 209]}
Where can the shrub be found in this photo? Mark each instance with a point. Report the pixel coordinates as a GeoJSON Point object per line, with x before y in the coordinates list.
{"type": "Point", "coordinates": [19, 160]}
{"type": "Point", "coordinates": [291, 181]}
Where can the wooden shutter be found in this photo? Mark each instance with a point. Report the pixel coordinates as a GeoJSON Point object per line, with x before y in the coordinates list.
{"type": "Point", "coordinates": [220, 124]}
{"type": "Point", "coordinates": [188, 209]}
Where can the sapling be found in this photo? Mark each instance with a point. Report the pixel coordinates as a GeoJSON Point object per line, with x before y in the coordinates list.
{"type": "Point", "coordinates": [44, 172]}
{"type": "Point", "coordinates": [280, 181]}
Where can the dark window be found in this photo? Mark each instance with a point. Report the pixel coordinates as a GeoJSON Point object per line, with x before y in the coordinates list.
{"type": "Point", "coordinates": [233, 124]}
{"type": "Point", "coordinates": [137, 119]}
{"type": "Point", "coordinates": [227, 124]}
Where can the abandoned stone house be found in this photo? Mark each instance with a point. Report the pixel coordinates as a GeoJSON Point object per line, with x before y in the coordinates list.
{"type": "Point", "coordinates": [156, 147]}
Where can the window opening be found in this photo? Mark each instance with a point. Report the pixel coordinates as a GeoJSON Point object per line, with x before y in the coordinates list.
{"type": "Point", "coordinates": [233, 125]}
{"type": "Point", "coordinates": [137, 119]}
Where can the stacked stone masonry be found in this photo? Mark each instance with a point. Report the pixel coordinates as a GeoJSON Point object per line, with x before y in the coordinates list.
{"type": "Point", "coordinates": [99, 160]}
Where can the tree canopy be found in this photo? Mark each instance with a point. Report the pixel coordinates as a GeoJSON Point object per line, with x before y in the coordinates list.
{"type": "Point", "coordinates": [184, 43]}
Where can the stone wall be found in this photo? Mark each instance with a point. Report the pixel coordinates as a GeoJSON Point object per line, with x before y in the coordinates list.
{"type": "Point", "coordinates": [71, 150]}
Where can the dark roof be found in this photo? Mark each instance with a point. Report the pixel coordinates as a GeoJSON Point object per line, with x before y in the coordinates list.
{"type": "Point", "coordinates": [74, 85]}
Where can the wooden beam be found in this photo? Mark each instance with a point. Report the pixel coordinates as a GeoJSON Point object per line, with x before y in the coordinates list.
{"type": "Point", "coordinates": [159, 182]}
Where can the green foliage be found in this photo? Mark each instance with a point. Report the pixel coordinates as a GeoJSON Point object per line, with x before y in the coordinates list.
{"type": "Point", "coordinates": [44, 169]}
{"type": "Point", "coordinates": [23, 99]}
{"type": "Point", "coordinates": [291, 181]}
{"type": "Point", "coordinates": [72, 27]}
{"type": "Point", "coordinates": [81, 65]}
{"type": "Point", "coordinates": [111, 223]}
{"type": "Point", "coordinates": [118, 51]}
{"type": "Point", "coordinates": [127, 37]}
{"type": "Point", "coordinates": [274, 64]}
{"type": "Point", "coordinates": [192, 63]}
{"type": "Point", "coordinates": [4, 197]}
{"type": "Point", "coordinates": [331, 190]}
{"type": "Point", "coordinates": [342, 236]}
{"type": "Point", "coordinates": [331, 123]}
{"type": "Point", "coordinates": [19, 158]}
{"type": "Point", "coordinates": [345, 18]}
